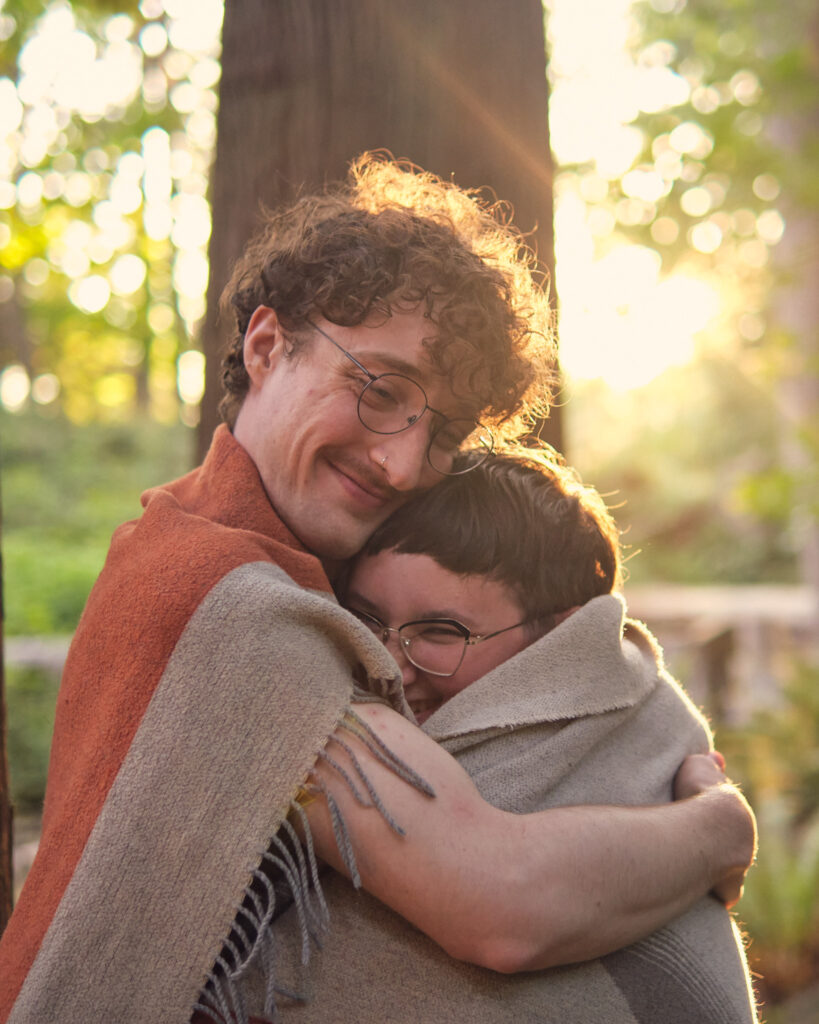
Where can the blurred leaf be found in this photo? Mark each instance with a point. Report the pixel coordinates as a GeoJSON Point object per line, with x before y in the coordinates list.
{"type": "Point", "coordinates": [65, 489]}
{"type": "Point", "coordinates": [31, 698]}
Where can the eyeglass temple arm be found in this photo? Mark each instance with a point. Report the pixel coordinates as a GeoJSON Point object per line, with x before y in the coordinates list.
{"type": "Point", "coordinates": [476, 638]}
{"type": "Point", "coordinates": [349, 355]}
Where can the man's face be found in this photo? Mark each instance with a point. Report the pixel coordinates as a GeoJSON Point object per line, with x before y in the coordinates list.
{"type": "Point", "coordinates": [397, 588]}
{"type": "Point", "coordinates": [331, 479]}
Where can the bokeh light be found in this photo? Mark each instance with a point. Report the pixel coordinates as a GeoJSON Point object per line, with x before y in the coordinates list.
{"type": "Point", "coordinates": [15, 387]}
{"type": "Point", "coordinates": [112, 221]}
{"type": "Point", "coordinates": [612, 184]}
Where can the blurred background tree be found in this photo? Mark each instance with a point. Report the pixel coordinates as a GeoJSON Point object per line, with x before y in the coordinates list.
{"type": "Point", "coordinates": [108, 115]}
{"type": "Point", "coordinates": [709, 192]}
{"type": "Point", "coordinates": [723, 148]}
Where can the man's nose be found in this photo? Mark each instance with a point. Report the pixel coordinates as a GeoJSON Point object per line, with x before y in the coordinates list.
{"type": "Point", "coordinates": [403, 456]}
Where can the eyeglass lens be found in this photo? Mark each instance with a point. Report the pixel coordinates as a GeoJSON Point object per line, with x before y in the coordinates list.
{"type": "Point", "coordinates": [392, 402]}
{"type": "Point", "coordinates": [434, 647]}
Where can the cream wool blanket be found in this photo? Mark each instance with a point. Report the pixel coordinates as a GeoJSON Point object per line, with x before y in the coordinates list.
{"type": "Point", "coordinates": [582, 716]}
{"type": "Point", "coordinates": [210, 667]}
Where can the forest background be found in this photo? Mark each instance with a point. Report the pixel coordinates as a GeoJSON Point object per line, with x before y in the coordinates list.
{"type": "Point", "coordinates": [686, 217]}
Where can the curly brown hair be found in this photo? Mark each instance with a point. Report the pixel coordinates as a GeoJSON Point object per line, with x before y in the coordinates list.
{"type": "Point", "coordinates": [397, 239]}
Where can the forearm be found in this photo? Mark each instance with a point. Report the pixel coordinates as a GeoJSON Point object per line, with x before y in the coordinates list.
{"type": "Point", "coordinates": [608, 876]}
{"type": "Point", "coordinates": [516, 892]}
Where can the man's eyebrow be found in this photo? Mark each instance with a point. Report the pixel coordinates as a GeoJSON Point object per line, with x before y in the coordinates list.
{"type": "Point", "coordinates": [394, 362]}
{"type": "Point", "coordinates": [421, 375]}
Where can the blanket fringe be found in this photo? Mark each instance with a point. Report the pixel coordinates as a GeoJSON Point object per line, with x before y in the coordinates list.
{"type": "Point", "coordinates": [288, 875]}
{"type": "Point", "coordinates": [381, 752]}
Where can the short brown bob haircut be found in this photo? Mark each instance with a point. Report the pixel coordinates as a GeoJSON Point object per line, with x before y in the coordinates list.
{"type": "Point", "coordinates": [396, 239]}
{"type": "Point", "coordinates": [522, 518]}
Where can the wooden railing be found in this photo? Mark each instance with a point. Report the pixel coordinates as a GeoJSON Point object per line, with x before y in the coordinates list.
{"type": "Point", "coordinates": [732, 647]}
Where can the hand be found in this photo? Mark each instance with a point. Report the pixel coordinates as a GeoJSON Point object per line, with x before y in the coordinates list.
{"type": "Point", "coordinates": [699, 772]}
{"type": "Point", "coordinates": [703, 775]}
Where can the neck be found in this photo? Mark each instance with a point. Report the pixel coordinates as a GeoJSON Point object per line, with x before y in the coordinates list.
{"type": "Point", "coordinates": [332, 567]}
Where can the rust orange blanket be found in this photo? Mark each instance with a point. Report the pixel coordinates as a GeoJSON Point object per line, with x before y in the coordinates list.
{"type": "Point", "coordinates": [209, 668]}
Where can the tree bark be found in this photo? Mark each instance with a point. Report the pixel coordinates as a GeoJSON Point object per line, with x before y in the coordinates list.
{"type": "Point", "coordinates": [459, 88]}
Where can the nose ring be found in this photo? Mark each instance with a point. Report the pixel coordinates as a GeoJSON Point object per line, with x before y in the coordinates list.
{"type": "Point", "coordinates": [384, 460]}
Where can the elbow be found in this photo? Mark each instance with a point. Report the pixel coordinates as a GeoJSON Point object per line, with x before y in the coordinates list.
{"type": "Point", "coordinates": [505, 953]}
{"type": "Point", "coordinates": [511, 956]}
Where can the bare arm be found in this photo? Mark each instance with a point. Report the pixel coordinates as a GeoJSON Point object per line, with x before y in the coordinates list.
{"type": "Point", "coordinates": [522, 892]}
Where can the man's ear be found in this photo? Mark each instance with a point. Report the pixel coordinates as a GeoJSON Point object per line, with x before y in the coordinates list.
{"type": "Point", "coordinates": [264, 343]}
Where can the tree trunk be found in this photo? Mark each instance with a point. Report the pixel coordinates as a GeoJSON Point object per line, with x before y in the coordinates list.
{"type": "Point", "coordinates": [15, 343]}
{"type": "Point", "coordinates": [458, 88]}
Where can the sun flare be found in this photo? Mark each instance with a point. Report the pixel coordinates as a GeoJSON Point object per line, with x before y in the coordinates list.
{"type": "Point", "coordinates": [619, 320]}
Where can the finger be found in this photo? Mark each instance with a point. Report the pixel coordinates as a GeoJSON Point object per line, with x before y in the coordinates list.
{"type": "Point", "coordinates": [718, 759]}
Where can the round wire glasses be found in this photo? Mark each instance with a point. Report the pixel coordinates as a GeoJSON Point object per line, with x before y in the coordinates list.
{"type": "Point", "coordinates": [392, 402]}
{"type": "Point", "coordinates": [436, 646]}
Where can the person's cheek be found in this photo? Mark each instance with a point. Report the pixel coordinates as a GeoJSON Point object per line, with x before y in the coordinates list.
{"type": "Point", "coordinates": [448, 687]}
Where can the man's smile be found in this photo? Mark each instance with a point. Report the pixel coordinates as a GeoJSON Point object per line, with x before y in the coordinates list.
{"type": "Point", "coordinates": [363, 486]}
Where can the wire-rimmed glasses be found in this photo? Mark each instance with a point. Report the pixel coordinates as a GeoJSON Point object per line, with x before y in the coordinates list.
{"type": "Point", "coordinates": [392, 402]}
{"type": "Point", "coordinates": [436, 646]}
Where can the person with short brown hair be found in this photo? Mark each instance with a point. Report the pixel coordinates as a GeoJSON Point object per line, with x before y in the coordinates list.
{"type": "Point", "coordinates": [523, 518]}
{"type": "Point", "coordinates": [495, 593]}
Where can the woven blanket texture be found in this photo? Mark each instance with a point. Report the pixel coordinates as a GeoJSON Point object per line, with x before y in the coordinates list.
{"type": "Point", "coordinates": [586, 715]}
{"type": "Point", "coordinates": [210, 667]}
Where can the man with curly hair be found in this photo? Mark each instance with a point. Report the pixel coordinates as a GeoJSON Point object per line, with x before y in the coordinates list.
{"type": "Point", "coordinates": [222, 720]}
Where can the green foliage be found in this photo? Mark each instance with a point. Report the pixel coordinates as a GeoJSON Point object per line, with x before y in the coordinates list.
{"type": "Point", "coordinates": [750, 72]}
{"type": "Point", "coordinates": [781, 901]}
{"type": "Point", "coordinates": [780, 907]}
{"type": "Point", "coordinates": [30, 700]}
{"type": "Point", "coordinates": [47, 580]}
{"type": "Point", "coordinates": [103, 220]}
{"type": "Point", "coordinates": [777, 752]}
{"type": "Point", "coordinates": [679, 460]}
{"type": "Point", "coordinates": [775, 757]}
{"type": "Point", "coordinates": [65, 488]}
{"type": "Point", "coordinates": [769, 495]}
{"type": "Point", "coordinates": [720, 471]}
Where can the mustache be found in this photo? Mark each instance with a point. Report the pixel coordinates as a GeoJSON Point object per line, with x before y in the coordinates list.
{"type": "Point", "coordinates": [370, 480]}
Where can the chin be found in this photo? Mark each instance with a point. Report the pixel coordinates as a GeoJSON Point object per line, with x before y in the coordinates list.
{"type": "Point", "coordinates": [334, 548]}
{"type": "Point", "coordinates": [339, 536]}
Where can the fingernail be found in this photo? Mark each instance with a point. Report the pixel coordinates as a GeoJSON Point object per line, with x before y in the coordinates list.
{"type": "Point", "coordinates": [718, 759]}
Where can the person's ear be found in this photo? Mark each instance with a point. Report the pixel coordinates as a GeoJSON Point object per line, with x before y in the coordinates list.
{"type": "Point", "coordinates": [264, 343]}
